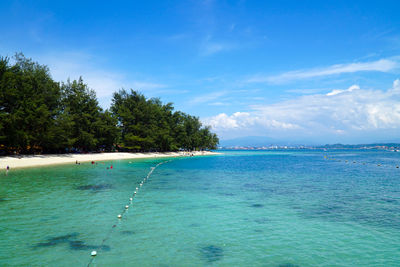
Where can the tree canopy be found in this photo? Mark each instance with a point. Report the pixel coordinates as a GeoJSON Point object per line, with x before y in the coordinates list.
{"type": "Point", "coordinates": [40, 115]}
{"type": "Point", "coordinates": [148, 124]}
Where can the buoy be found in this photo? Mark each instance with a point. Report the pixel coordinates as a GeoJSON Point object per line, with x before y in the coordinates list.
{"type": "Point", "coordinates": [130, 199]}
{"type": "Point", "coordinates": [135, 192]}
{"type": "Point", "coordinates": [94, 253]}
{"type": "Point", "coordinates": [137, 188]}
{"type": "Point", "coordinates": [119, 216]}
{"type": "Point", "coordinates": [126, 207]}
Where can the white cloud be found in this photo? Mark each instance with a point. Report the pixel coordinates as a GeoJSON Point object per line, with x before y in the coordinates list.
{"type": "Point", "coordinates": [140, 86]}
{"type": "Point", "coordinates": [382, 65]}
{"type": "Point", "coordinates": [207, 97]}
{"type": "Point", "coordinates": [209, 46]}
{"type": "Point", "coordinates": [104, 81]}
{"type": "Point", "coordinates": [338, 91]}
{"type": "Point", "coordinates": [218, 103]}
{"type": "Point", "coordinates": [212, 48]}
{"type": "Point", "coordinates": [340, 113]}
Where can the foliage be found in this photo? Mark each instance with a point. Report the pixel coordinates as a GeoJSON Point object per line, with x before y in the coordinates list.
{"type": "Point", "coordinates": [149, 125]}
{"type": "Point", "coordinates": [38, 114]}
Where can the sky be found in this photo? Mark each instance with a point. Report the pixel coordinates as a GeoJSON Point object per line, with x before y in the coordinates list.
{"type": "Point", "coordinates": [310, 72]}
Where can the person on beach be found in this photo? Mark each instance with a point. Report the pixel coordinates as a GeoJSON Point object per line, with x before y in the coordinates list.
{"type": "Point", "coordinates": [7, 169]}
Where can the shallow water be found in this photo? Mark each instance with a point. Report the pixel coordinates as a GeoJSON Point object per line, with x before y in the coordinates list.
{"type": "Point", "coordinates": [262, 208]}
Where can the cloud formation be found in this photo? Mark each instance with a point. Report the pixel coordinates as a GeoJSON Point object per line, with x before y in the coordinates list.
{"type": "Point", "coordinates": [382, 65]}
{"type": "Point", "coordinates": [210, 47]}
{"type": "Point", "coordinates": [338, 115]}
{"type": "Point", "coordinates": [72, 65]}
{"type": "Point", "coordinates": [207, 97]}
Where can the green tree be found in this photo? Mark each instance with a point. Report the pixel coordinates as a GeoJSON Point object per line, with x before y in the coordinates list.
{"type": "Point", "coordinates": [89, 127]}
{"type": "Point", "coordinates": [148, 124]}
{"type": "Point", "coordinates": [29, 104]}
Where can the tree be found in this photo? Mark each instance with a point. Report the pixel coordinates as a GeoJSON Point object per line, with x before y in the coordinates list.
{"type": "Point", "coordinates": [148, 125]}
{"type": "Point", "coordinates": [38, 114]}
{"type": "Point", "coordinates": [29, 103]}
{"type": "Point", "coordinates": [90, 128]}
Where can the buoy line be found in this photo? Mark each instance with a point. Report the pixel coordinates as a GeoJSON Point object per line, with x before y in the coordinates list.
{"type": "Point", "coordinates": [94, 253]}
{"type": "Point", "coordinates": [359, 162]}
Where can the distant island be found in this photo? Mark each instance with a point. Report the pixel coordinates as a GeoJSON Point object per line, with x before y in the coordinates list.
{"type": "Point", "coordinates": [383, 146]}
{"type": "Point", "coordinates": [39, 115]}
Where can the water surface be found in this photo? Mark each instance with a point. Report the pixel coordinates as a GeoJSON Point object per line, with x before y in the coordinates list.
{"type": "Point", "coordinates": [262, 208]}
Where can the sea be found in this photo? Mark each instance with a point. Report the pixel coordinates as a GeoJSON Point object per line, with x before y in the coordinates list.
{"type": "Point", "coordinates": [278, 208]}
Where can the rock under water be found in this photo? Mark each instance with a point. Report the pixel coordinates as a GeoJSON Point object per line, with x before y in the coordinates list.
{"type": "Point", "coordinates": [95, 188]}
{"type": "Point", "coordinates": [212, 253]}
{"type": "Point", "coordinates": [257, 205]}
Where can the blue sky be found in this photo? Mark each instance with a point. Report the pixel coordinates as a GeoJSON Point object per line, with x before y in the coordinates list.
{"type": "Point", "coordinates": [298, 71]}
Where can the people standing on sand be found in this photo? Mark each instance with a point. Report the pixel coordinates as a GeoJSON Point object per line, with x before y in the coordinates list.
{"type": "Point", "coordinates": [7, 169]}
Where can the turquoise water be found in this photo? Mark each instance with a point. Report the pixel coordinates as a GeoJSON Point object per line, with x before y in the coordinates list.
{"type": "Point", "coordinates": [262, 208]}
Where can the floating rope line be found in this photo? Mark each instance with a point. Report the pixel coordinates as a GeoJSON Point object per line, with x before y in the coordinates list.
{"type": "Point", "coordinates": [359, 162]}
{"type": "Point", "coordinates": [124, 210]}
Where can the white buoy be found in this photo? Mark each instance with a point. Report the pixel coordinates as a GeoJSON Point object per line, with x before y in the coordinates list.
{"type": "Point", "coordinates": [119, 216]}
{"type": "Point", "coordinates": [135, 192]}
{"type": "Point", "coordinates": [130, 199]}
{"type": "Point", "coordinates": [137, 188]}
{"type": "Point", "coordinates": [94, 253]}
{"type": "Point", "coordinates": [126, 207]}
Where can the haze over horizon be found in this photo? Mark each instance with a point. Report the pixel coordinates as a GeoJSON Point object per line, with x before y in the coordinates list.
{"type": "Point", "coordinates": [302, 72]}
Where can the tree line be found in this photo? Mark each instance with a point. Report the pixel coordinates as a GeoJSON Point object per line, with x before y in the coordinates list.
{"type": "Point", "coordinates": [40, 115]}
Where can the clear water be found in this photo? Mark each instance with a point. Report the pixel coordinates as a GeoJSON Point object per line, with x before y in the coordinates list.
{"type": "Point", "coordinates": [263, 208]}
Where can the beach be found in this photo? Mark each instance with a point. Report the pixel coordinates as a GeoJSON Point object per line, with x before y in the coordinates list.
{"type": "Point", "coordinates": [22, 161]}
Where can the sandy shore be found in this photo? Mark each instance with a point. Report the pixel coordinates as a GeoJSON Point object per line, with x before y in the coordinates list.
{"type": "Point", "coordinates": [43, 160]}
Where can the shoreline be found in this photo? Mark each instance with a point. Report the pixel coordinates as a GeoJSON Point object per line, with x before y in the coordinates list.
{"type": "Point", "coordinates": [24, 161]}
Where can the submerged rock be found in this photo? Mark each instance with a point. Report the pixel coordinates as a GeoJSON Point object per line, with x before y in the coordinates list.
{"type": "Point", "coordinates": [70, 239]}
{"type": "Point", "coordinates": [127, 232]}
{"type": "Point", "coordinates": [53, 241]}
{"type": "Point", "coordinates": [95, 188]}
{"type": "Point", "coordinates": [212, 253]}
{"type": "Point", "coordinates": [288, 264]}
{"type": "Point", "coordinates": [81, 245]}
{"type": "Point", "coordinates": [63, 238]}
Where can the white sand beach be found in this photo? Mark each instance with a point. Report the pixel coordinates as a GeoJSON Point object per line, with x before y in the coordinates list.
{"type": "Point", "coordinates": [21, 161]}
